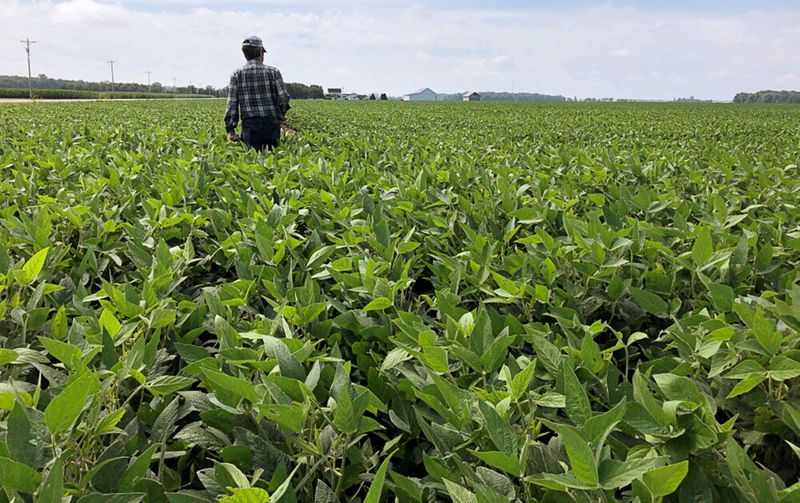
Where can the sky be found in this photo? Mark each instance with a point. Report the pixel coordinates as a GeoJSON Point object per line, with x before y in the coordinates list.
{"type": "Point", "coordinates": [643, 49]}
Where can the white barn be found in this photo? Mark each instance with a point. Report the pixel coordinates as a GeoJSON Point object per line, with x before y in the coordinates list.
{"type": "Point", "coordinates": [472, 96]}
{"type": "Point", "coordinates": [421, 95]}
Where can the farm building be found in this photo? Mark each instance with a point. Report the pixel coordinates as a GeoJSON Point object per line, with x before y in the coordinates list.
{"type": "Point", "coordinates": [421, 95]}
{"type": "Point", "coordinates": [472, 96]}
{"type": "Point", "coordinates": [334, 92]}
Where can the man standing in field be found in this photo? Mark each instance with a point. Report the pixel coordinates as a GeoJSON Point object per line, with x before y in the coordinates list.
{"type": "Point", "coordinates": [257, 96]}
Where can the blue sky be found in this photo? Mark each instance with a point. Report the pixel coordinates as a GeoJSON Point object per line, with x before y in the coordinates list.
{"type": "Point", "coordinates": [623, 49]}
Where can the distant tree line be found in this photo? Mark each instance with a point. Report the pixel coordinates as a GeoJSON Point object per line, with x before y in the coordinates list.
{"type": "Point", "coordinates": [304, 92]}
{"type": "Point", "coordinates": [44, 82]}
{"type": "Point", "coordinates": [768, 97]}
{"type": "Point", "coordinates": [296, 91]}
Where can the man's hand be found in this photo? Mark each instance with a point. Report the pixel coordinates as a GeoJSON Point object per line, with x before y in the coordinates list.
{"type": "Point", "coordinates": [233, 137]}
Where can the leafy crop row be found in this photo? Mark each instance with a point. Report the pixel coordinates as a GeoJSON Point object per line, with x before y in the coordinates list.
{"type": "Point", "coordinates": [407, 302]}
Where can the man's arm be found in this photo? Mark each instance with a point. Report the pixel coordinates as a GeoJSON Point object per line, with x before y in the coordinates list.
{"type": "Point", "coordinates": [283, 95]}
{"type": "Point", "coordinates": [232, 113]}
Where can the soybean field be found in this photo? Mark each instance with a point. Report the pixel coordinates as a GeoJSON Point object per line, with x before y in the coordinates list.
{"type": "Point", "coordinates": [406, 302]}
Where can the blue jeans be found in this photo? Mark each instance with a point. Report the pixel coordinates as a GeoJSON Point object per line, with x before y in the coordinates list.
{"type": "Point", "coordinates": [260, 133]}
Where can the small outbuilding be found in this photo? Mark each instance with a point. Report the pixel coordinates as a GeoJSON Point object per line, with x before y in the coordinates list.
{"type": "Point", "coordinates": [334, 93]}
{"type": "Point", "coordinates": [421, 95]}
{"type": "Point", "coordinates": [472, 96]}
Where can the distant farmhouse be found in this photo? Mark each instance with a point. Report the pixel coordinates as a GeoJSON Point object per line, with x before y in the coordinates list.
{"type": "Point", "coordinates": [334, 93]}
{"type": "Point", "coordinates": [349, 97]}
{"type": "Point", "coordinates": [472, 96]}
{"type": "Point", "coordinates": [421, 95]}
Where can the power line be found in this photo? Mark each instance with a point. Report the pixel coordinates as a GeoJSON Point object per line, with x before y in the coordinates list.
{"type": "Point", "coordinates": [28, 43]}
{"type": "Point", "coordinates": [112, 77]}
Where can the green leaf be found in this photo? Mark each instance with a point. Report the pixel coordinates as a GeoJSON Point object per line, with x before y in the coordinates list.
{"type": "Point", "coordinates": [20, 435]}
{"type": "Point", "coordinates": [499, 429]}
{"type": "Point", "coordinates": [68, 354]}
{"type": "Point", "coordinates": [746, 385]}
{"type": "Point", "coordinates": [324, 494]}
{"type": "Point", "coordinates": [459, 494]}
{"type": "Point", "coordinates": [578, 407]}
{"type": "Point", "coordinates": [289, 366]}
{"type": "Point", "coordinates": [236, 386]}
{"type": "Point", "coordinates": [703, 248]}
{"type": "Point", "coordinates": [246, 495]}
{"type": "Point", "coordinates": [500, 460]}
{"type": "Point", "coordinates": [65, 408]}
{"type": "Point", "coordinates": [376, 487]}
{"type": "Point", "coordinates": [408, 247]}
{"type": "Point", "coordinates": [559, 481]}
{"type": "Point", "coordinates": [58, 325]}
{"type": "Point", "coordinates": [722, 296]}
{"type": "Point", "coordinates": [229, 475]}
{"type": "Point", "coordinates": [138, 468]}
{"type": "Point", "coordinates": [650, 302]}
{"type": "Point", "coordinates": [597, 428]}
{"type": "Point", "coordinates": [7, 356]}
{"type": "Point", "coordinates": [113, 498]}
{"type": "Point", "coordinates": [783, 368]}
{"type": "Point", "coordinates": [505, 283]}
{"type": "Point", "coordinates": [110, 322]}
{"type": "Point", "coordinates": [378, 304]}
{"type": "Point", "coordinates": [165, 385]}
{"type": "Point", "coordinates": [161, 318]}
{"type": "Point", "coordinates": [666, 480]}
{"type": "Point", "coordinates": [282, 489]}
{"type": "Point", "coordinates": [520, 383]}
{"type": "Point", "coordinates": [497, 351]}
{"type": "Point", "coordinates": [579, 452]}
{"type": "Point", "coordinates": [344, 416]}
{"type": "Point", "coordinates": [18, 476]}
{"type": "Point", "coordinates": [109, 421]}
{"type": "Point", "coordinates": [764, 257]}
{"type": "Point", "coordinates": [616, 475]}
{"type": "Point", "coordinates": [764, 330]}
{"type": "Point", "coordinates": [746, 369]}
{"type": "Point", "coordinates": [580, 455]}
{"type": "Point", "coordinates": [32, 267]}
{"type": "Point", "coordinates": [319, 256]}
{"type": "Point", "coordinates": [290, 417]}
{"type": "Point", "coordinates": [52, 489]}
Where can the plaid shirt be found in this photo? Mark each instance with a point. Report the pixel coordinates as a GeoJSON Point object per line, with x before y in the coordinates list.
{"type": "Point", "coordinates": [256, 91]}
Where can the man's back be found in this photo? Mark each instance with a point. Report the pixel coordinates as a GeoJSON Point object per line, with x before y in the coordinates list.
{"type": "Point", "coordinates": [257, 96]}
{"type": "Point", "coordinates": [260, 91]}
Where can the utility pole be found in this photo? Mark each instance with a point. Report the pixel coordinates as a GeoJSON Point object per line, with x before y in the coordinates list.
{"type": "Point", "coordinates": [28, 43]}
{"type": "Point", "coordinates": [148, 72]}
{"type": "Point", "coordinates": [174, 85]}
{"type": "Point", "coordinates": [112, 77]}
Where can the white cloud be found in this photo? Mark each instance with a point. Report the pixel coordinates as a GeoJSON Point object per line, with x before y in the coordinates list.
{"type": "Point", "coordinates": [607, 50]}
